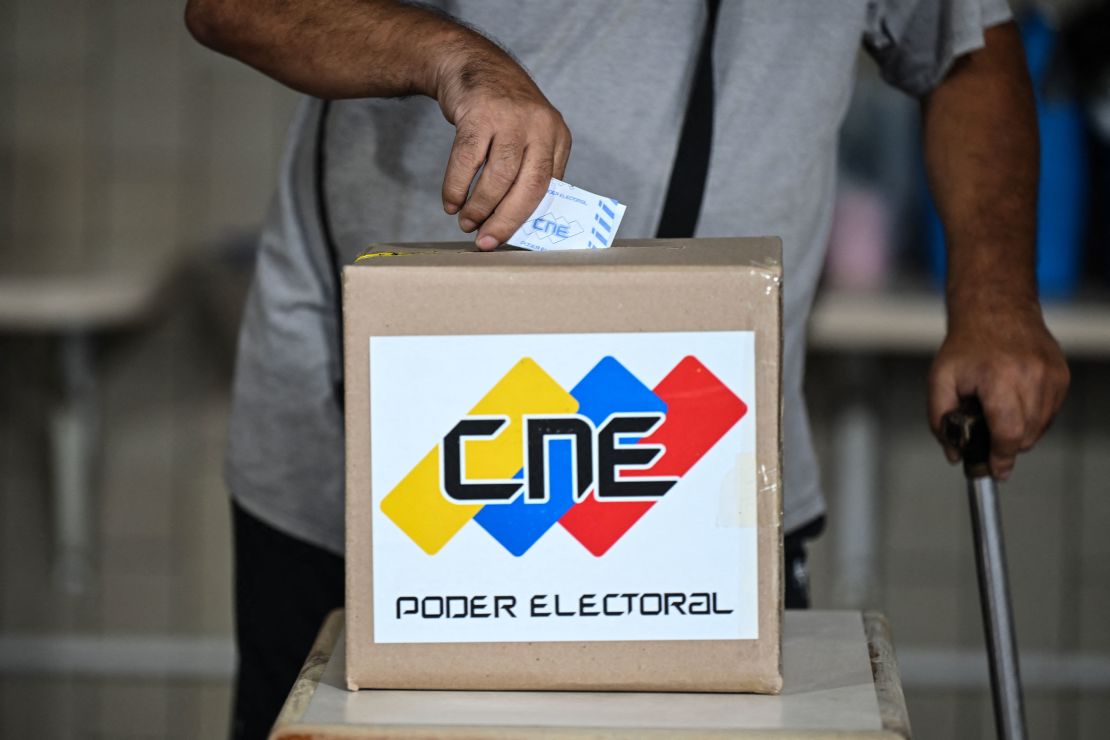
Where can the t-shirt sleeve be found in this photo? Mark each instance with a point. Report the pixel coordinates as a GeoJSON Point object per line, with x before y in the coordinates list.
{"type": "Point", "coordinates": [915, 42]}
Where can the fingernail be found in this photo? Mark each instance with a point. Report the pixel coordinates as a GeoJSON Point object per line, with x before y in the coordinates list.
{"type": "Point", "coordinates": [1004, 475]}
{"type": "Point", "coordinates": [451, 208]}
{"type": "Point", "coordinates": [467, 225]}
{"type": "Point", "coordinates": [486, 242]}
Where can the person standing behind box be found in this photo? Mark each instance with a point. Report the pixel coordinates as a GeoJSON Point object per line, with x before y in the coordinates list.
{"type": "Point", "coordinates": [361, 166]}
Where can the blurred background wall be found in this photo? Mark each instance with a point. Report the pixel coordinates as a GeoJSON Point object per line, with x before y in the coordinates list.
{"type": "Point", "coordinates": [125, 148]}
{"type": "Point", "coordinates": [134, 166]}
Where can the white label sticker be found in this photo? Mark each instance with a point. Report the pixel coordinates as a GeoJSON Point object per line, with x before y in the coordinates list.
{"type": "Point", "coordinates": [570, 218]}
{"type": "Point", "coordinates": [563, 487]}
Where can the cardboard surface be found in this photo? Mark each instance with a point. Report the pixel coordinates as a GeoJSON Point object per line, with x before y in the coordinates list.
{"type": "Point", "coordinates": [701, 298]}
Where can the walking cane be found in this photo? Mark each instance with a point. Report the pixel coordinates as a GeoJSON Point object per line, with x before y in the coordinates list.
{"type": "Point", "coordinates": [966, 430]}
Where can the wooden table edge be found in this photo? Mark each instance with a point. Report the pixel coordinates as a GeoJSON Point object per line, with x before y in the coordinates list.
{"type": "Point", "coordinates": [309, 678]}
{"type": "Point", "coordinates": [888, 689]}
{"type": "Point", "coordinates": [884, 668]}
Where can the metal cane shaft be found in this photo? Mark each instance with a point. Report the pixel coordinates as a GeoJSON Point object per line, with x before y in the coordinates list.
{"type": "Point", "coordinates": [966, 430]}
{"type": "Point", "coordinates": [990, 559]}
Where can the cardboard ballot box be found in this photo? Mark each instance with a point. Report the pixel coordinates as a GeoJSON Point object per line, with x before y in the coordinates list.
{"type": "Point", "coordinates": [563, 468]}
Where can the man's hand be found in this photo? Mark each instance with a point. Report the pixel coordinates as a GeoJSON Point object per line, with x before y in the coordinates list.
{"type": "Point", "coordinates": [980, 133]}
{"type": "Point", "coordinates": [1004, 355]}
{"type": "Point", "coordinates": [505, 127]}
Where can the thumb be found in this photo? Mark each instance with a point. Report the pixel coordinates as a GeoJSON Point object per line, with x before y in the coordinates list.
{"type": "Point", "coordinates": [943, 397]}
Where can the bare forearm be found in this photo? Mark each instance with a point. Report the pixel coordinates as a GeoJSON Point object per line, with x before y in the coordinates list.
{"type": "Point", "coordinates": [981, 156]}
{"type": "Point", "coordinates": [341, 48]}
{"type": "Point", "coordinates": [504, 126]}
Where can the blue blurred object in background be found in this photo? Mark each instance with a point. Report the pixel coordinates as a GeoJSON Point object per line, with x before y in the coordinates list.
{"type": "Point", "coordinates": [1062, 192]}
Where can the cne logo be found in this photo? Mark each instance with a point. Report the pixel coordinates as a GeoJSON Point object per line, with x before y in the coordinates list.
{"type": "Point", "coordinates": [531, 455]}
{"type": "Point", "coordinates": [597, 453]}
{"type": "Point", "coordinates": [554, 229]}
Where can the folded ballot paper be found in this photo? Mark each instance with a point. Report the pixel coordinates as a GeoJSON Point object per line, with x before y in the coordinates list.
{"type": "Point", "coordinates": [570, 218]}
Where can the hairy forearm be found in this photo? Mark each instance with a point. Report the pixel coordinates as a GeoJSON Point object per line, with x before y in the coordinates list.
{"type": "Point", "coordinates": [343, 48]}
{"type": "Point", "coordinates": [981, 157]}
{"type": "Point", "coordinates": [509, 140]}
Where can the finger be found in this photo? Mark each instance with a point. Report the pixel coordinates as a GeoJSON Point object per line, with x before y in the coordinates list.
{"type": "Point", "coordinates": [562, 156]}
{"type": "Point", "coordinates": [1047, 415]}
{"type": "Point", "coordinates": [942, 399]}
{"type": "Point", "coordinates": [1063, 380]}
{"type": "Point", "coordinates": [1032, 394]}
{"type": "Point", "coordinates": [467, 154]}
{"type": "Point", "coordinates": [522, 199]}
{"type": "Point", "coordinates": [502, 166]}
{"type": "Point", "coordinates": [1005, 419]}
{"type": "Point", "coordinates": [1053, 390]}
{"type": "Point", "coordinates": [1057, 391]}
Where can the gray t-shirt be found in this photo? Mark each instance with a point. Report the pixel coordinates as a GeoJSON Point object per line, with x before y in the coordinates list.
{"type": "Point", "coordinates": [620, 73]}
